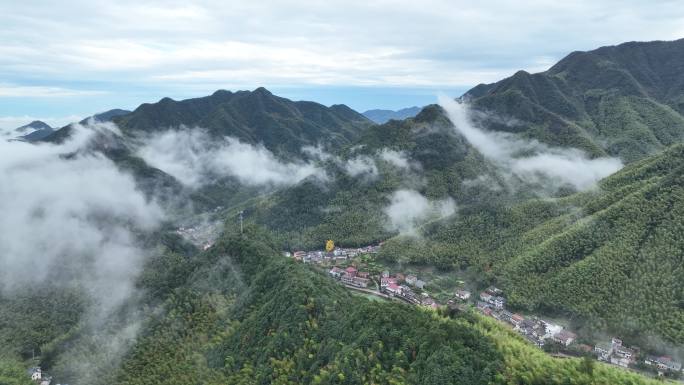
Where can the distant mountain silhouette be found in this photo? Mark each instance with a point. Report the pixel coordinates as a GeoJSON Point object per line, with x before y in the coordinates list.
{"type": "Point", "coordinates": [382, 116]}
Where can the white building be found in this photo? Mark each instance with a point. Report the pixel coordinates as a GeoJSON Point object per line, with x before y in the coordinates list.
{"type": "Point", "coordinates": [463, 295]}
{"type": "Point", "coordinates": [36, 373]}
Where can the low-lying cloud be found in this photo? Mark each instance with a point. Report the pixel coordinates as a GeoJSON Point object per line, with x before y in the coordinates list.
{"type": "Point", "coordinates": [408, 209]}
{"type": "Point", "coordinates": [69, 219]}
{"type": "Point", "coordinates": [397, 158]}
{"type": "Point", "coordinates": [555, 165]}
{"type": "Point", "coordinates": [195, 159]}
{"type": "Point", "coordinates": [361, 166]}
{"type": "Point", "coordinates": [56, 206]}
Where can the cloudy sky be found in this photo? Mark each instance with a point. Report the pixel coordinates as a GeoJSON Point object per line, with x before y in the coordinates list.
{"type": "Point", "coordinates": [60, 61]}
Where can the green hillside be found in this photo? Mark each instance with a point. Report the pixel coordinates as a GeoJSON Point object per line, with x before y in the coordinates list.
{"type": "Point", "coordinates": [624, 100]}
{"type": "Point", "coordinates": [241, 314]}
{"type": "Point", "coordinates": [258, 116]}
{"type": "Point", "coordinates": [610, 258]}
{"type": "Point", "coordinates": [266, 319]}
{"type": "Point", "coordinates": [607, 259]}
{"type": "Point", "coordinates": [349, 209]}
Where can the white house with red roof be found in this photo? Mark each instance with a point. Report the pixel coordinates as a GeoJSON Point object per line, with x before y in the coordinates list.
{"type": "Point", "coordinates": [393, 288]}
{"type": "Point", "coordinates": [386, 281]}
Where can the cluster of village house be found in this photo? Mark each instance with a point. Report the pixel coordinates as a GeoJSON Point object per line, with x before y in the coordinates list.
{"type": "Point", "coordinates": [196, 235]}
{"type": "Point", "coordinates": [539, 331]}
{"type": "Point", "coordinates": [339, 254]}
{"type": "Point", "coordinates": [400, 285]}
{"type": "Point", "coordinates": [618, 354]}
{"type": "Point", "coordinates": [491, 302]}
{"type": "Point", "coordinates": [39, 376]}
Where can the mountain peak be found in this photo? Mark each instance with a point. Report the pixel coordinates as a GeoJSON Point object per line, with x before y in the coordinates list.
{"type": "Point", "coordinates": [221, 93]}
{"type": "Point", "coordinates": [36, 125]}
{"type": "Point", "coordinates": [381, 116]}
{"type": "Point", "coordinates": [262, 91]}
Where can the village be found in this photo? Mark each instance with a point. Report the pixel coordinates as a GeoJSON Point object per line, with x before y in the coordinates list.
{"type": "Point", "coordinates": [40, 377]}
{"type": "Point", "coordinates": [201, 231]}
{"type": "Point", "coordinates": [345, 266]}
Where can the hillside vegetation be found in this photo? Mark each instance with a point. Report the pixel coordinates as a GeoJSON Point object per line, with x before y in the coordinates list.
{"type": "Point", "coordinates": [261, 318]}
{"type": "Point", "coordinates": [624, 100]}
{"type": "Point", "coordinates": [611, 257]}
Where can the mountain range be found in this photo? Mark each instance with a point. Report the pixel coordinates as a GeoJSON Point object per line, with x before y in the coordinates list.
{"type": "Point", "coordinates": [623, 100]}
{"type": "Point", "coordinates": [38, 131]}
{"type": "Point", "coordinates": [383, 116]}
{"type": "Point", "coordinates": [606, 258]}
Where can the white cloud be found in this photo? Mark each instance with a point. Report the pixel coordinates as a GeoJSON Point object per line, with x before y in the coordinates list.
{"type": "Point", "coordinates": [561, 165]}
{"type": "Point", "coordinates": [436, 43]}
{"type": "Point", "coordinates": [70, 220]}
{"type": "Point", "coordinates": [16, 91]}
{"type": "Point", "coordinates": [409, 209]}
{"type": "Point", "coordinates": [194, 158]}
{"type": "Point", "coordinates": [396, 158]}
{"type": "Point", "coordinates": [358, 166]}
{"type": "Point", "coordinates": [73, 214]}
{"type": "Point", "coordinates": [361, 166]}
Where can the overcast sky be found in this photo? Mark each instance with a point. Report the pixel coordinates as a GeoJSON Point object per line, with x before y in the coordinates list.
{"type": "Point", "coordinates": [60, 61]}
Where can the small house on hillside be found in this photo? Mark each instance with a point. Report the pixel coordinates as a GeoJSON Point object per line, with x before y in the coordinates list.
{"type": "Point", "coordinates": [486, 297]}
{"type": "Point", "coordinates": [565, 337]}
{"type": "Point", "coordinates": [360, 282]}
{"type": "Point", "coordinates": [386, 281]}
{"type": "Point", "coordinates": [394, 289]}
{"type": "Point", "coordinates": [517, 319]}
{"type": "Point", "coordinates": [336, 272]}
{"type": "Point", "coordinates": [36, 373]}
{"type": "Point", "coordinates": [463, 295]}
{"type": "Point", "coordinates": [494, 291]}
{"type": "Point", "coordinates": [663, 363]}
{"type": "Point", "coordinates": [603, 351]}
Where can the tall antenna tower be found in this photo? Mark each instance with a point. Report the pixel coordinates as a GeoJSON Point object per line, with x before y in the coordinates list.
{"type": "Point", "coordinates": [241, 215]}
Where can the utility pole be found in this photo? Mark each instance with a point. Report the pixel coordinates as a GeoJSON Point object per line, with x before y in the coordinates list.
{"type": "Point", "coordinates": [241, 214]}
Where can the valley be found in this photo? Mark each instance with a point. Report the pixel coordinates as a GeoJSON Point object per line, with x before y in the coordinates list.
{"type": "Point", "coordinates": [526, 232]}
{"type": "Point", "coordinates": [359, 270]}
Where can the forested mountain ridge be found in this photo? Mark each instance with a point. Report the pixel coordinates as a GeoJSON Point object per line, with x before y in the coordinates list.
{"type": "Point", "coordinates": [350, 209]}
{"type": "Point", "coordinates": [610, 258]}
{"type": "Point", "coordinates": [253, 117]}
{"type": "Point", "coordinates": [381, 116]}
{"type": "Point", "coordinates": [239, 313]}
{"type": "Point", "coordinates": [244, 315]}
{"type": "Point", "coordinates": [256, 117]}
{"type": "Point", "coordinates": [625, 100]}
